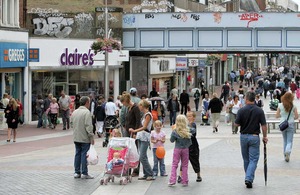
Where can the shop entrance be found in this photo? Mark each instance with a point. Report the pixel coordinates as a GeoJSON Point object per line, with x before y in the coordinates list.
{"type": "Point", "coordinates": [69, 88]}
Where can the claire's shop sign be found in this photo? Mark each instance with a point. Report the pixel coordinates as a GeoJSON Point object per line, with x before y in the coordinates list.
{"type": "Point", "coordinates": [75, 58]}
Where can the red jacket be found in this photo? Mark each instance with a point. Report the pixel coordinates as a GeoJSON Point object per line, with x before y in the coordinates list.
{"type": "Point", "coordinates": [293, 87]}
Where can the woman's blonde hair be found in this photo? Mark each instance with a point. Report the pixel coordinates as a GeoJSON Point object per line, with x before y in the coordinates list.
{"type": "Point", "coordinates": [125, 98]}
{"type": "Point", "coordinates": [287, 101]}
{"type": "Point", "coordinates": [182, 126]}
{"type": "Point", "coordinates": [144, 103]}
{"type": "Point", "coordinates": [215, 95]}
{"type": "Point", "coordinates": [14, 104]}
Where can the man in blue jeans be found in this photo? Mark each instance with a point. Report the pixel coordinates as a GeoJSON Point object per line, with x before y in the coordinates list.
{"type": "Point", "coordinates": [83, 137]}
{"type": "Point", "coordinates": [250, 118]}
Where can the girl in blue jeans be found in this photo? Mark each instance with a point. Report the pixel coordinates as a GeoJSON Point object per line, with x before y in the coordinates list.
{"type": "Point", "coordinates": [182, 137]}
{"type": "Point", "coordinates": [283, 111]}
{"type": "Point", "coordinates": [158, 138]}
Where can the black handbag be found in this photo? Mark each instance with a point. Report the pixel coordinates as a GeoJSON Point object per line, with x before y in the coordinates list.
{"type": "Point", "coordinates": [285, 124]}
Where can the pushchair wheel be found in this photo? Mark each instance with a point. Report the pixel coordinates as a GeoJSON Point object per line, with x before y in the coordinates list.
{"type": "Point", "coordinates": [101, 181]}
{"type": "Point", "coordinates": [125, 181]}
{"type": "Point", "coordinates": [112, 179]}
{"type": "Point", "coordinates": [106, 180]}
{"type": "Point", "coordinates": [129, 178]}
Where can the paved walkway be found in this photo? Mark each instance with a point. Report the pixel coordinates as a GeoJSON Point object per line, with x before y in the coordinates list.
{"type": "Point", "coordinates": [41, 162]}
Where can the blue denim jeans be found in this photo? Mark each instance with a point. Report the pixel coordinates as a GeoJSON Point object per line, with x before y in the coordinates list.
{"type": "Point", "coordinates": [80, 162]}
{"type": "Point", "coordinates": [143, 146]}
{"type": "Point", "coordinates": [250, 153]}
{"type": "Point", "coordinates": [288, 136]}
{"type": "Point", "coordinates": [161, 161]}
{"type": "Point", "coordinates": [172, 117]}
{"type": "Point", "coordinates": [46, 120]}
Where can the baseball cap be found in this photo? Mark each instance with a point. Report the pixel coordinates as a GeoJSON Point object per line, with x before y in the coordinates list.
{"type": "Point", "coordinates": [133, 90]}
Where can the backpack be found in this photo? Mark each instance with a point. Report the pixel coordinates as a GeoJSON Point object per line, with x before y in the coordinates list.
{"type": "Point", "coordinates": [266, 85]}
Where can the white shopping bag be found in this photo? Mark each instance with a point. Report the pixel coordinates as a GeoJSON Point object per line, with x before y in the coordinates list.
{"type": "Point", "coordinates": [91, 155]}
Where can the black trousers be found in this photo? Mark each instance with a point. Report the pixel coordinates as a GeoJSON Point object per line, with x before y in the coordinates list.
{"type": "Point", "coordinates": [194, 155]}
{"type": "Point", "coordinates": [184, 106]}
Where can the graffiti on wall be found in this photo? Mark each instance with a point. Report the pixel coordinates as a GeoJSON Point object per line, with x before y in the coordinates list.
{"type": "Point", "coordinates": [101, 20]}
{"type": "Point", "coordinates": [45, 13]}
{"type": "Point", "coordinates": [83, 24]}
{"type": "Point", "coordinates": [59, 27]}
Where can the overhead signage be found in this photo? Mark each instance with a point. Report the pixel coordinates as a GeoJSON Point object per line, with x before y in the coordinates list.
{"type": "Point", "coordinates": [13, 55]}
{"type": "Point", "coordinates": [181, 64]}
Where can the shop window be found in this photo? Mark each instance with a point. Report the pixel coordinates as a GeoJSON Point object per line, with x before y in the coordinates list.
{"type": "Point", "coordinates": [60, 76]}
{"type": "Point", "coordinates": [9, 13]}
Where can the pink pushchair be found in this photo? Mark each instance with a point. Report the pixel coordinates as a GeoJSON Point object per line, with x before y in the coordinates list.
{"type": "Point", "coordinates": [127, 151]}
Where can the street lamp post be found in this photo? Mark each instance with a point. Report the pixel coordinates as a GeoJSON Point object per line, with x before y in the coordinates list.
{"type": "Point", "coordinates": [106, 71]}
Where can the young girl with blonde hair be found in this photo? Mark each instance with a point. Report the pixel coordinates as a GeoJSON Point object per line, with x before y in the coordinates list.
{"type": "Point", "coordinates": [182, 137]}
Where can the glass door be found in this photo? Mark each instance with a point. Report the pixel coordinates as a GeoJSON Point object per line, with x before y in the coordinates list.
{"type": "Point", "coordinates": [57, 88]}
{"type": "Point", "coordinates": [73, 89]}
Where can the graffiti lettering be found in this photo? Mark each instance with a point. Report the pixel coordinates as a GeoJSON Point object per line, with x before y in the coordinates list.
{"type": "Point", "coordinates": [53, 26]}
{"type": "Point", "coordinates": [147, 16]}
{"type": "Point", "coordinates": [196, 17]}
{"type": "Point", "coordinates": [130, 20]}
{"type": "Point", "coordinates": [46, 12]}
{"type": "Point", "coordinates": [83, 24]}
{"type": "Point", "coordinates": [181, 17]}
{"type": "Point", "coordinates": [101, 32]}
{"type": "Point", "coordinates": [111, 18]}
{"type": "Point", "coordinates": [251, 17]}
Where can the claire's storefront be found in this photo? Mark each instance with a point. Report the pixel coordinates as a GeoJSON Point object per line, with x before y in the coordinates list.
{"type": "Point", "coordinates": [70, 65]}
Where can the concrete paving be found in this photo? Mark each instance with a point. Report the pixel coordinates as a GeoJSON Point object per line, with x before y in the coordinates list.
{"type": "Point", "coordinates": [41, 162]}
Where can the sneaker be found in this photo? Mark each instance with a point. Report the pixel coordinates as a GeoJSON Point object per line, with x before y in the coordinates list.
{"type": "Point", "coordinates": [86, 177]}
{"type": "Point", "coordinates": [216, 129]}
{"type": "Point", "coordinates": [164, 175]}
{"type": "Point", "coordinates": [184, 185]}
{"type": "Point", "coordinates": [76, 175]}
{"type": "Point", "coordinates": [287, 157]}
{"type": "Point", "coordinates": [150, 178]}
{"type": "Point", "coordinates": [199, 179]}
{"type": "Point", "coordinates": [248, 184]}
{"type": "Point", "coordinates": [64, 128]}
{"type": "Point", "coordinates": [171, 184]}
{"type": "Point", "coordinates": [179, 179]}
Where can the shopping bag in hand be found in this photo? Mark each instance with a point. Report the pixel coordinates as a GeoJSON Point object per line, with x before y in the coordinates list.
{"type": "Point", "coordinates": [91, 155]}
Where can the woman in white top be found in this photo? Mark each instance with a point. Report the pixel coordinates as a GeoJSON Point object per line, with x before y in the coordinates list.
{"type": "Point", "coordinates": [235, 105]}
{"type": "Point", "coordinates": [143, 137]}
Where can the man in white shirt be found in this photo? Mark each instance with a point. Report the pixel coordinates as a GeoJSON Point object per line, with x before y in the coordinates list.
{"type": "Point", "coordinates": [110, 107]}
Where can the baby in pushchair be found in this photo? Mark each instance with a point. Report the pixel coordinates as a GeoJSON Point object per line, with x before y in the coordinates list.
{"type": "Point", "coordinates": [116, 161]}
{"type": "Point", "coordinates": [122, 155]}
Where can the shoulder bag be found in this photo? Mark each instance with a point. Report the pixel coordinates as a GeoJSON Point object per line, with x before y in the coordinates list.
{"type": "Point", "coordinates": [285, 124]}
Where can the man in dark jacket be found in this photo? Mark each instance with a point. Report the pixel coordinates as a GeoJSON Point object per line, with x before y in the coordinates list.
{"type": "Point", "coordinates": [225, 92]}
{"type": "Point", "coordinates": [184, 101]}
{"type": "Point", "coordinates": [215, 106]}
